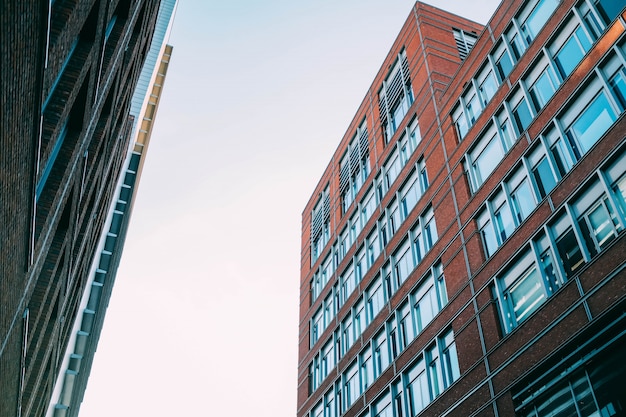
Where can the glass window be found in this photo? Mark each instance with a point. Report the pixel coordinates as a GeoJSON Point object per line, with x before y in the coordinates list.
{"type": "Point", "coordinates": [405, 321]}
{"type": "Point", "coordinates": [367, 368]}
{"type": "Point", "coordinates": [503, 216]}
{"type": "Point", "coordinates": [541, 169]}
{"type": "Point", "coordinates": [522, 115]}
{"type": "Point", "coordinates": [410, 194]}
{"type": "Point", "coordinates": [592, 123]}
{"type": "Point", "coordinates": [381, 352]}
{"type": "Point", "coordinates": [486, 160]}
{"type": "Point", "coordinates": [351, 385]}
{"type": "Point", "coordinates": [473, 106]}
{"type": "Point", "coordinates": [403, 262]}
{"type": "Point", "coordinates": [460, 122]}
{"type": "Point", "coordinates": [570, 254]}
{"type": "Point", "coordinates": [487, 85]}
{"type": "Point", "coordinates": [537, 18]}
{"type": "Point", "coordinates": [434, 370]}
{"type": "Point", "coordinates": [523, 200]}
{"type": "Point", "coordinates": [382, 406]}
{"type": "Point", "coordinates": [487, 233]}
{"type": "Point", "coordinates": [425, 304]}
{"type": "Point", "coordinates": [375, 298]}
{"type": "Point", "coordinates": [392, 169]}
{"type": "Point", "coordinates": [417, 388]}
{"type": "Point", "coordinates": [571, 52]}
{"type": "Point", "coordinates": [543, 87]}
{"type": "Point", "coordinates": [451, 370]}
{"type": "Point", "coordinates": [609, 9]}
{"type": "Point", "coordinates": [503, 61]}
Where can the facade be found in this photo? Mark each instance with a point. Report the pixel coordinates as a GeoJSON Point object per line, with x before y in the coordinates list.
{"type": "Point", "coordinates": [464, 253]}
{"type": "Point", "coordinates": [80, 84]}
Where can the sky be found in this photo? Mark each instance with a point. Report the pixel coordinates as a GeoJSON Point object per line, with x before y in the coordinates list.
{"type": "Point", "coordinates": [203, 320]}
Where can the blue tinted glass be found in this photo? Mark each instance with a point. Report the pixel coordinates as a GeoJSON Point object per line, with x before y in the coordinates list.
{"type": "Point", "coordinates": [569, 56]}
{"type": "Point", "coordinates": [538, 18]}
{"type": "Point", "coordinates": [522, 115]}
{"type": "Point", "coordinates": [593, 122]}
{"type": "Point", "coordinates": [505, 65]}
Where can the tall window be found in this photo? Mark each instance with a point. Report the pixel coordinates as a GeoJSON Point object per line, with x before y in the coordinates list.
{"type": "Point", "coordinates": [320, 225]}
{"type": "Point", "coordinates": [354, 167]}
{"type": "Point", "coordinates": [395, 97]}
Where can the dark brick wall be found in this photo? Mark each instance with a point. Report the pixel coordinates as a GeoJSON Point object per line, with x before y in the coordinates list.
{"type": "Point", "coordinates": [47, 247]}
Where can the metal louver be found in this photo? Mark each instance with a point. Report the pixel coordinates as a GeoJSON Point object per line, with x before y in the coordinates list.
{"type": "Point", "coordinates": [393, 88]}
{"type": "Point", "coordinates": [320, 215]}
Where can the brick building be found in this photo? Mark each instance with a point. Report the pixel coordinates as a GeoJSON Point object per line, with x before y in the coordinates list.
{"type": "Point", "coordinates": [464, 252]}
{"type": "Point", "coordinates": [74, 128]}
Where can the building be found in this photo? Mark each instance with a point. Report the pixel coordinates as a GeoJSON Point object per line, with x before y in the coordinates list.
{"type": "Point", "coordinates": [464, 253]}
{"type": "Point", "coordinates": [80, 83]}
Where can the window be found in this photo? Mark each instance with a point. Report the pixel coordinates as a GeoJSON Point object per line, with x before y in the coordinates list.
{"type": "Point", "coordinates": [464, 42]}
{"type": "Point", "coordinates": [534, 17]}
{"type": "Point", "coordinates": [381, 352]}
{"type": "Point", "coordinates": [317, 326]}
{"type": "Point", "coordinates": [506, 210]}
{"type": "Point", "coordinates": [367, 368]}
{"type": "Point", "coordinates": [368, 206]}
{"type": "Point", "coordinates": [395, 96]}
{"type": "Point", "coordinates": [487, 84]}
{"type": "Point", "coordinates": [522, 290]}
{"type": "Point", "coordinates": [351, 385]}
{"type": "Point", "coordinates": [354, 167]}
{"type": "Point", "coordinates": [328, 359]}
{"type": "Point", "coordinates": [411, 192]}
{"type": "Point", "coordinates": [348, 283]}
{"type": "Point", "coordinates": [375, 298]}
{"type": "Point", "coordinates": [392, 169]}
{"type": "Point", "coordinates": [460, 122]}
{"type": "Point", "coordinates": [382, 406]}
{"type": "Point", "coordinates": [542, 171]}
{"type": "Point", "coordinates": [542, 83]}
{"type": "Point", "coordinates": [597, 218]}
{"type": "Point", "coordinates": [591, 386]}
{"type": "Point", "coordinates": [502, 60]}
{"type": "Point", "coordinates": [428, 299]}
{"type": "Point", "coordinates": [320, 225]}
{"type": "Point", "coordinates": [522, 197]}
{"type": "Point", "coordinates": [484, 157]}
{"type": "Point", "coordinates": [522, 115]}
{"type": "Point", "coordinates": [590, 124]}
{"type": "Point", "coordinates": [417, 387]}
{"type": "Point", "coordinates": [373, 247]}
{"type": "Point", "coordinates": [569, 47]}
{"type": "Point", "coordinates": [405, 324]}
{"type": "Point", "coordinates": [403, 262]}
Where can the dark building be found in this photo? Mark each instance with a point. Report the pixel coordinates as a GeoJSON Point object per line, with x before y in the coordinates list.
{"type": "Point", "coordinates": [68, 167]}
{"type": "Point", "coordinates": [464, 252]}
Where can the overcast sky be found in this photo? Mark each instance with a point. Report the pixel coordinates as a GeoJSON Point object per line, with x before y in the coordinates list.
{"type": "Point", "coordinates": [203, 320]}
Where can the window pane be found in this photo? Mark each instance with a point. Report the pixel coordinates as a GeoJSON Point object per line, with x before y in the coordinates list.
{"type": "Point", "coordinates": [504, 221]}
{"type": "Point", "coordinates": [544, 177]}
{"type": "Point", "coordinates": [522, 115]}
{"type": "Point", "coordinates": [570, 253]}
{"type": "Point", "coordinates": [489, 238]}
{"type": "Point", "coordinates": [527, 295]}
{"type": "Point", "coordinates": [618, 86]}
{"type": "Point", "coordinates": [487, 161]}
{"type": "Point", "coordinates": [543, 88]}
{"type": "Point", "coordinates": [523, 200]}
{"type": "Point", "coordinates": [538, 17]}
{"type": "Point", "coordinates": [504, 64]}
{"type": "Point", "coordinates": [596, 119]}
{"type": "Point", "coordinates": [572, 52]}
{"type": "Point", "coordinates": [488, 88]}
